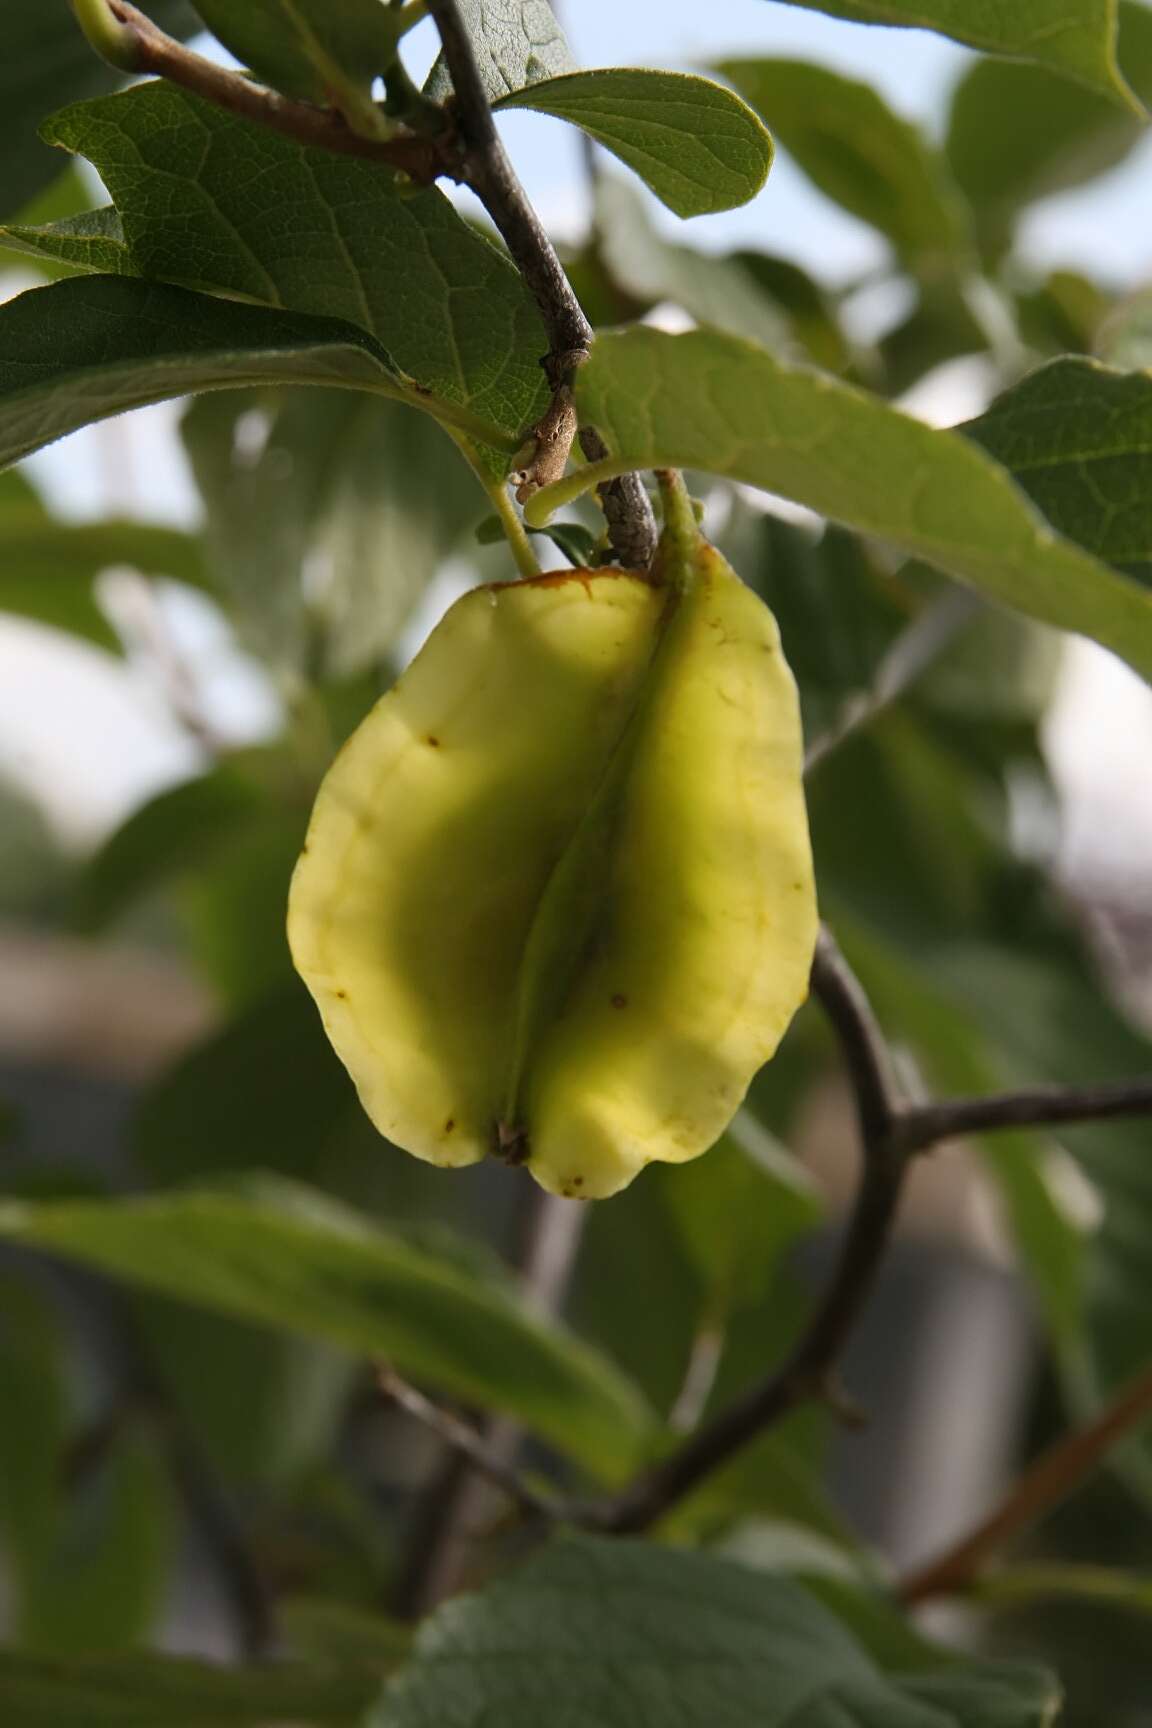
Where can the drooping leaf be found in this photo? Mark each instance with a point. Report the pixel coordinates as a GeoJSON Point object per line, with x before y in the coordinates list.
{"type": "Point", "coordinates": [47, 61]}
{"type": "Point", "coordinates": [709, 401]}
{"type": "Point", "coordinates": [714, 290]}
{"type": "Point", "coordinates": [1075, 37]}
{"type": "Point", "coordinates": [327, 530]}
{"type": "Point", "coordinates": [47, 567]}
{"type": "Point", "coordinates": [1017, 133]}
{"type": "Point", "coordinates": [718, 1645]}
{"type": "Point", "coordinates": [327, 234]}
{"type": "Point", "coordinates": [288, 1258]}
{"type": "Point", "coordinates": [326, 51]}
{"type": "Point", "coordinates": [1078, 438]}
{"type": "Point", "coordinates": [170, 834]}
{"type": "Point", "coordinates": [860, 153]}
{"type": "Point", "coordinates": [698, 147]}
{"type": "Point", "coordinates": [83, 350]}
{"type": "Point", "coordinates": [517, 43]}
{"type": "Point", "coordinates": [168, 1692]}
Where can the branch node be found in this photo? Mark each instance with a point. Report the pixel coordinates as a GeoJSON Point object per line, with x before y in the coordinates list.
{"type": "Point", "coordinates": [549, 447]}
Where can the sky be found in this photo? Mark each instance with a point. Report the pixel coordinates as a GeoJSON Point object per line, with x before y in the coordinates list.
{"type": "Point", "coordinates": [97, 738]}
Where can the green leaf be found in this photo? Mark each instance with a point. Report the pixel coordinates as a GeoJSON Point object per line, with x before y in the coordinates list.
{"type": "Point", "coordinates": [1074, 37]}
{"type": "Point", "coordinates": [170, 834]}
{"type": "Point", "coordinates": [327, 51]}
{"type": "Point", "coordinates": [288, 1258]}
{"type": "Point", "coordinates": [329, 235]}
{"type": "Point", "coordinates": [1017, 133]}
{"type": "Point", "coordinates": [32, 1436]}
{"type": "Point", "coordinates": [328, 534]}
{"type": "Point", "coordinates": [517, 42]}
{"type": "Point", "coordinates": [621, 1631]}
{"type": "Point", "coordinates": [47, 61]}
{"type": "Point", "coordinates": [709, 401]}
{"type": "Point", "coordinates": [698, 147]}
{"type": "Point", "coordinates": [92, 241]}
{"type": "Point", "coordinates": [859, 153]}
{"type": "Point", "coordinates": [737, 1211]}
{"type": "Point", "coordinates": [166, 1692]}
{"type": "Point", "coordinates": [48, 567]}
{"type": "Point", "coordinates": [83, 350]}
{"type": "Point", "coordinates": [1078, 438]}
{"type": "Point", "coordinates": [100, 1586]}
{"type": "Point", "coordinates": [713, 290]}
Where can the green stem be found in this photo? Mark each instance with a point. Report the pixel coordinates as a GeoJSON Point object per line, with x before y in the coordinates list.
{"type": "Point", "coordinates": [1024, 1585]}
{"type": "Point", "coordinates": [538, 511]}
{"type": "Point", "coordinates": [526, 560]}
{"type": "Point", "coordinates": [113, 41]}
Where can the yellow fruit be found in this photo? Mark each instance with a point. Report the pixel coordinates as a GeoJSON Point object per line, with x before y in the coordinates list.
{"type": "Point", "coordinates": [556, 900]}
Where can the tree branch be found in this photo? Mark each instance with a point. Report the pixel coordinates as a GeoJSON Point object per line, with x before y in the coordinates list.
{"type": "Point", "coordinates": [1051, 1479]}
{"type": "Point", "coordinates": [486, 168]}
{"type": "Point", "coordinates": [808, 1371]}
{"type": "Point", "coordinates": [469, 1443]}
{"type": "Point", "coordinates": [142, 47]}
{"type": "Point", "coordinates": [925, 1125]}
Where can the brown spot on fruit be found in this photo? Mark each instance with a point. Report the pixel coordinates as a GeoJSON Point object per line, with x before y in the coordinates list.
{"type": "Point", "coordinates": [450, 1124]}
{"type": "Point", "coordinates": [619, 1000]}
{"type": "Point", "coordinates": [434, 743]}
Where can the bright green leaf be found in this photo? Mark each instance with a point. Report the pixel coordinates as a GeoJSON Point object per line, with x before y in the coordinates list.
{"type": "Point", "coordinates": [324, 234]}
{"type": "Point", "coordinates": [1078, 438]}
{"type": "Point", "coordinates": [166, 1692]}
{"type": "Point", "coordinates": [859, 153]}
{"type": "Point", "coordinates": [693, 143]}
{"type": "Point", "coordinates": [517, 42]}
{"type": "Point", "coordinates": [292, 1260]}
{"type": "Point", "coordinates": [1074, 37]}
{"type": "Point", "coordinates": [622, 1631]}
{"type": "Point", "coordinates": [708, 401]}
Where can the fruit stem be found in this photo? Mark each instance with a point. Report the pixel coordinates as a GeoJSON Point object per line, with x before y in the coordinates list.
{"type": "Point", "coordinates": [681, 542]}
{"type": "Point", "coordinates": [526, 560]}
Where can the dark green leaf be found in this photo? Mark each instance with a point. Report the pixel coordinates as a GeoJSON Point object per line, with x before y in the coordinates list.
{"type": "Point", "coordinates": [1074, 37]}
{"type": "Point", "coordinates": [328, 234]}
{"type": "Point", "coordinates": [1017, 133]}
{"type": "Point", "coordinates": [709, 401]}
{"type": "Point", "coordinates": [620, 1631]}
{"type": "Point", "coordinates": [327, 51]}
{"type": "Point", "coordinates": [172, 833]}
{"type": "Point", "coordinates": [1078, 438]}
{"type": "Point", "coordinates": [517, 42]}
{"type": "Point", "coordinates": [165, 1692]}
{"type": "Point", "coordinates": [92, 241]}
{"type": "Point", "coordinates": [47, 61]}
{"type": "Point", "coordinates": [859, 153]}
{"type": "Point", "coordinates": [82, 350]}
{"type": "Point", "coordinates": [288, 1258]}
{"type": "Point", "coordinates": [32, 1436]}
{"type": "Point", "coordinates": [692, 142]}
{"type": "Point", "coordinates": [100, 1587]}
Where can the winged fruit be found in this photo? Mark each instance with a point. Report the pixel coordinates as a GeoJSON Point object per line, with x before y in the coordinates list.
{"type": "Point", "coordinates": [556, 899]}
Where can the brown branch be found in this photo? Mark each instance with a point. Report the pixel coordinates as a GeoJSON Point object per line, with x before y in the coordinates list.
{"type": "Point", "coordinates": [148, 49]}
{"type": "Point", "coordinates": [808, 1372]}
{"type": "Point", "coordinates": [487, 169]}
{"type": "Point", "coordinates": [1051, 1479]}
{"type": "Point", "coordinates": [469, 1443]}
{"type": "Point", "coordinates": [925, 1125]}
